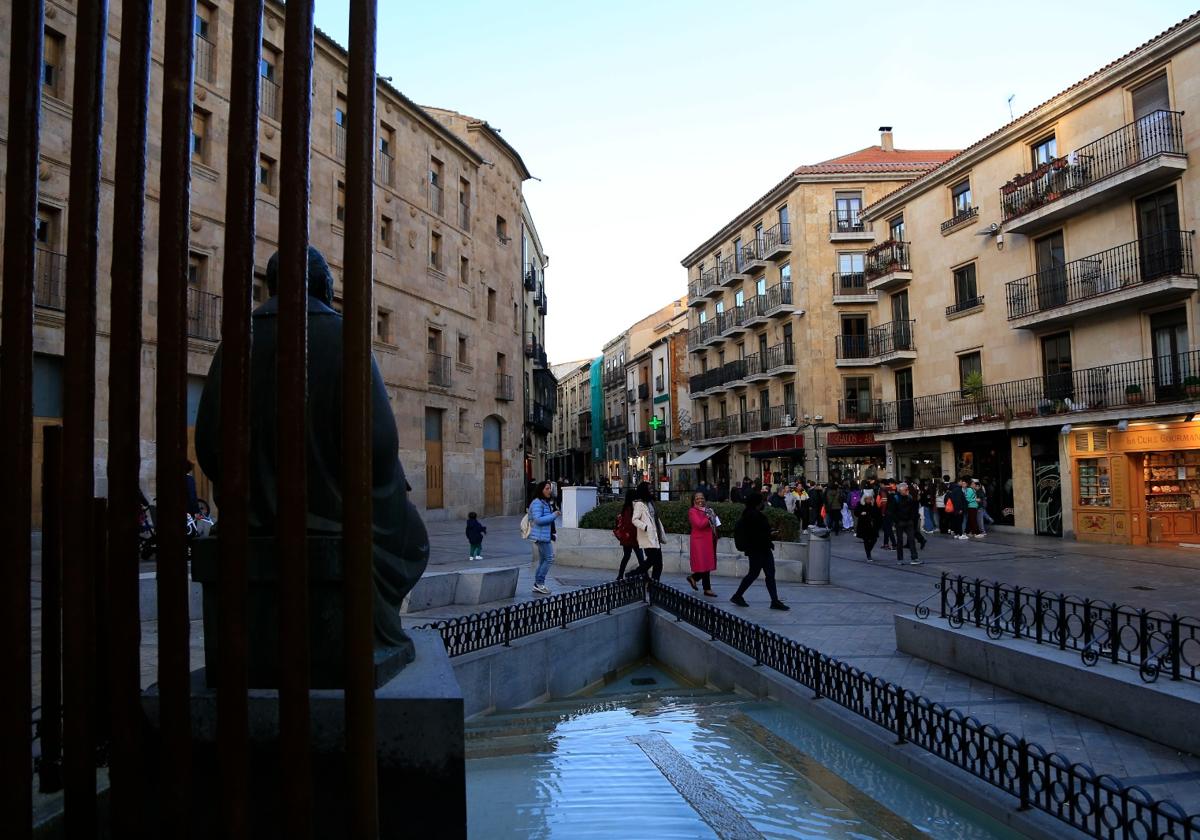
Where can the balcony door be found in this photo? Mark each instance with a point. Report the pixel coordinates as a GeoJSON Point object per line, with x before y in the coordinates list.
{"type": "Point", "coordinates": [901, 326]}
{"type": "Point", "coordinates": [1051, 255]}
{"type": "Point", "coordinates": [1168, 333]}
{"type": "Point", "coordinates": [1158, 234]}
{"type": "Point", "coordinates": [764, 410]}
{"type": "Point", "coordinates": [1056, 366]}
{"type": "Point", "coordinates": [848, 208]}
{"type": "Point", "coordinates": [904, 399]}
{"type": "Point", "coordinates": [851, 279]}
{"type": "Point", "coordinates": [853, 337]}
{"type": "Point", "coordinates": [1151, 113]}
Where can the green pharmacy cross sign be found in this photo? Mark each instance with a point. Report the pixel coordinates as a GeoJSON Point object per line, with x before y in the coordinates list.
{"type": "Point", "coordinates": [655, 422]}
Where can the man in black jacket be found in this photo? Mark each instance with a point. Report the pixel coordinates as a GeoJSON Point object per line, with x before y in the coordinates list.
{"type": "Point", "coordinates": [752, 535]}
{"type": "Point", "coordinates": [904, 512]}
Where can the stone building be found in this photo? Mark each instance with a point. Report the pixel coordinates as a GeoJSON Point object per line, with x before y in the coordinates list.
{"type": "Point", "coordinates": [654, 433]}
{"type": "Point", "coordinates": [1040, 331]}
{"type": "Point", "coordinates": [450, 306]}
{"type": "Point", "coordinates": [570, 455]}
{"type": "Point", "coordinates": [781, 316]}
{"type": "Point", "coordinates": [616, 407]}
{"type": "Point", "coordinates": [540, 389]}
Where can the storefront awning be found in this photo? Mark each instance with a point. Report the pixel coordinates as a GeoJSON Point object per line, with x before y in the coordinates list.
{"type": "Point", "coordinates": [696, 456]}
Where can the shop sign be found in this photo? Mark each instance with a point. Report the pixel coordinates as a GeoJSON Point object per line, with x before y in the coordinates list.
{"type": "Point", "coordinates": [1176, 436]}
{"type": "Point", "coordinates": [850, 439]}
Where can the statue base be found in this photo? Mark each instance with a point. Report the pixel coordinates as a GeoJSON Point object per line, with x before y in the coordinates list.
{"type": "Point", "coordinates": [419, 742]}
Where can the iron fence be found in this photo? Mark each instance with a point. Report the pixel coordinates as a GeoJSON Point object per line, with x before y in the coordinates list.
{"type": "Point", "coordinates": [847, 221]}
{"type": "Point", "coordinates": [958, 218]}
{"type": "Point", "coordinates": [435, 199]}
{"type": "Point", "coordinates": [731, 319]}
{"type": "Point", "coordinates": [1099, 805]}
{"type": "Point", "coordinates": [1151, 640]}
{"type": "Point", "coordinates": [268, 92]}
{"type": "Point", "coordinates": [964, 305]}
{"type": "Point", "coordinates": [886, 258]}
{"type": "Point", "coordinates": [860, 412]}
{"type": "Point", "coordinates": [464, 216]}
{"type": "Point", "coordinates": [701, 333]}
{"type": "Point", "coordinates": [780, 356]}
{"type": "Point", "coordinates": [850, 283]}
{"type": "Point", "coordinates": [339, 141]}
{"type": "Point", "coordinates": [504, 386]}
{"type": "Point", "coordinates": [48, 279]}
{"type": "Point", "coordinates": [203, 315]}
{"type": "Point", "coordinates": [205, 66]}
{"type": "Point", "coordinates": [1157, 133]}
{"type": "Point", "coordinates": [752, 251]}
{"type": "Point", "coordinates": [383, 169]}
{"type": "Point", "coordinates": [726, 269]}
{"type": "Point", "coordinates": [852, 347]}
{"type": "Point", "coordinates": [777, 236]}
{"type": "Point", "coordinates": [1167, 254]}
{"type": "Point", "coordinates": [439, 370]}
{"type": "Point", "coordinates": [778, 296]}
{"type": "Point", "coordinates": [892, 337]}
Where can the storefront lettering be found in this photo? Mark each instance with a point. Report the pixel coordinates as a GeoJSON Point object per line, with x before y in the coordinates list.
{"type": "Point", "coordinates": [850, 439]}
{"type": "Point", "coordinates": [1154, 440]}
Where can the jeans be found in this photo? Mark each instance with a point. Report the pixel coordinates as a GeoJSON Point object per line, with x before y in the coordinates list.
{"type": "Point", "coordinates": [906, 532]}
{"type": "Point", "coordinates": [929, 526]}
{"type": "Point", "coordinates": [476, 549]}
{"type": "Point", "coordinates": [889, 536]}
{"type": "Point", "coordinates": [546, 559]}
{"type": "Point", "coordinates": [833, 520]}
{"type": "Point", "coordinates": [985, 520]}
{"type": "Point", "coordinates": [760, 563]}
{"type": "Point", "coordinates": [629, 549]}
{"type": "Point", "coordinates": [652, 561]}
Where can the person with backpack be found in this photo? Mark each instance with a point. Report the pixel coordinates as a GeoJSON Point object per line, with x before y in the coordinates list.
{"type": "Point", "coordinates": [956, 510]}
{"type": "Point", "coordinates": [702, 545]}
{"type": "Point", "coordinates": [985, 518]}
{"type": "Point", "coordinates": [475, 532]}
{"type": "Point", "coordinates": [833, 508]}
{"type": "Point", "coordinates": [626, 534]}
{"type": "Point", "coordinates": [867, 521]}
{"type": "Point", "coordinates": [540, 522]}
{"type": "Point", "coordinates": [752, 536]}
{"type": "Point", "coordinates": [972, 511]}
{"type": "Point", "coordinates": [650, 532]}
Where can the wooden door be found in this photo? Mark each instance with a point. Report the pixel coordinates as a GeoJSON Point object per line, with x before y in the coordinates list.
{"type": "Point", "coordinates": [433, 459]}
{"type": "Point", "coordinates": [493, 483]}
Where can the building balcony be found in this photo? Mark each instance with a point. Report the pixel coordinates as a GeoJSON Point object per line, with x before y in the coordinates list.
{"type": "Point", "coordinates": [48, 281]}
{"type": "Point", "coordinates": [205, 60]}
{"type": "Point", "coordinates": [852, 288]}
{"type": "Point", "coordinates": [268, 103]}
{"type": "Point", "coordinates": [531, 277]}
{"type": "Point", "coordinates": [615, 428]}
{"type": "Point", "coordinates": [964, 306]}
{"type": "Point", "coordinates": [727, 273]}
{"type": "Point", "coordinates": [1133, 159]}
{"type": "Point", "coordinates": [755, 311]}
{"type": "Point", "coordinates": [848, 226]}
{"type": "Point", "coordinates": [643, 440]}
{"type": "Point", "coordinates": [385, 168]}
{"type": "Point", "coordinates": [660, 384]}
{"type": "Point", "coordinates": [887, 266]}
{"type": "Point", "coordinates": [781, 359]}
{"type": "Point", "coordinates": [779, 301]}
{"type": "Point", "coordinates": [756, 367]}
{"type": "Point", "coordinates": [752, 257]}
{"type": "Point", "coordinates": [960, 219]}
{"type": "Point", "coordinates": [855, 351]}
{"type": "Point", "coordinates": [643, 391]}
{"type": "Point", "coordinates": [699, 335]}
{"type": "Point", "coordinates": [532, 346]}
{"type": "Point", "coordinates": [860, 413]}
{"type": "Point", "coordinates": [777, 241]}
{"type": "Point", "coordinates": [703, 384]}
{"type": "Point", "coordinates": [893, 342]}
{"type": "Point", "coordinates": [732, 321]}
{"type": "Point", "coordinates": [702, 287]}
{"type": "Point", "coordinates": [630, 396]}
{"type": "Point", "coordinates": [733, 374]}
{"type": "Point", "coordinates": [1137, 388]}
{"type": "Point", "coordinates": [778, 418]}
{"type": "Point", "coordinates": [339, 141]}
{"type": "Point", "coordinates": [719, 427]}
{"type": "Point", "coordinates": [437, 202]}
{"type": "Point", "coordinates": [439, 370]}
{"type": "Point", "coordinates": [203, 315]}
{"type": "Point", "coordinates": [1146, 272]}
{"type": "Point", "coordinates": [540, 417]}
{"type": "Point", "coordinates": [714, 335]}
{"type": "Point", "coordinates": [504, 386]}
{"type": "Point", "coordinates": [539, 298]}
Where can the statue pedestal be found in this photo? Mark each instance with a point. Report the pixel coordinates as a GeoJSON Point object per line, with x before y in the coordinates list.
{"type": "Point", "coordinates": [419, 732]}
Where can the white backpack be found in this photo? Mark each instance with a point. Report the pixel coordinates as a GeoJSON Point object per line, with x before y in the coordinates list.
{"type": "Point", "coordinates": [526, 528]}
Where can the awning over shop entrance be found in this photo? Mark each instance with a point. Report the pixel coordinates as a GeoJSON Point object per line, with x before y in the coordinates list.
{"type": "Point", "coordinates": [696, 456]}
{"type": "Point", "coordinates": [778, 446]}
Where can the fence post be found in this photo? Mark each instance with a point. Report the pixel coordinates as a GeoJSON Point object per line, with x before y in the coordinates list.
{"type": "Point", "coordinates": [1114, 637]}
{"type": "Point", "coordinates": [50, 726]}
{"type": "Point", "coordinates": [945, 580]}
{"type": "Point", "coordinates": [1023, 773]}
{"type": "Point", "coordinates": [1175, 644]}
{"type": "Point", "coordinates": [1016, 618]}
{"type": "Point", "coordinates": [958, 588]}
{"type": "Point", "coordinates": [1062, 621]}
{"type": "Point", "coordinates": [507, 626]}
{"type": "Point", "coordinates": [901, 715]}
{"type": "Point", "coordinates": [978, 601]}
{"type": "Point", "coordinates": [1143, 638]}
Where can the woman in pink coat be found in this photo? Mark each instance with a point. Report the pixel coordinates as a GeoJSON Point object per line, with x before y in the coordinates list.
{"type": "Point", "coordinates": [703, 543]}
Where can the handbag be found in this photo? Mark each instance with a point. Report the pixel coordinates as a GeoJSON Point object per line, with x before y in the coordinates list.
{"type": "Point", "coordinates": [949, 505]}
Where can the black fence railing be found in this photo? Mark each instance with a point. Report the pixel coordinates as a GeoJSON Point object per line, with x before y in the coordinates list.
{"type": "Point", "coordinates": [643, 440]}
{"type": "Point", "coordinates": [1155, 380]}
{"type": "Point", "coordinates": [1157, 133]}
{"type": "Point", "coordinates": [659, 383]}
{"type": "Point", "coordinates": [752, 251]}
{"type": "Point", "coordinates": [339, 141]}
{"type": "Point", "coordinates": [776, 237]}
{"type": "Point", "coordinates": [268, 92]}
{"type": "Point", "coordinates": [1152, 641]}
{"type": "Point", "coordinates": [439, 370]}
{"type": "Point", "coordinates": [886, 258]}
{"type": "Point", "coordinates": [48, 280]}
{"type": "Point", "coordinates": [643, 391]}
{"type": "Point", "coordinates": [860, 412]}
{"type": "Point", "coordinates": [700, 334]}
{"type": "Point", "coordinates": [530, 277]}
{"type": "Point", "coordinates": [780, 356]}
{"type": "Point", "coordinates": [964, 305]}
{"type": "Point", "coordinates": [850, 283]}
{"type": "Point", "coordinates": [754, 307]}
{"type": "Point", "coordinates": [504, 386]}
{"type": "Point", "coordinates": [852, 347]}
{"type": "Point", "coordinates": [847, 221]}
{"type": "Point", "coordinates": [540, 416]}
{"type": "Point", "coordinates": [436, 202]}
{"type": "Point", "coordinates": [203, 315]}
{"type": "Point", "coordinates": [205, 59]}
{"type": "Point", "coordinates": [892, 337]}
{"type": "Point", "coordinates": [778, 296]}
{"type": "Point", "coordinates": [703, 284]}
{"type": "Point", "coordinates": [726, 269]}
{"type": "Point", "coordinates": [384, 169]}
{"type": "Point", "coordinates": [731, 319]}
{"type": "Point", "coordinates": [1099, 805]}
{"type": "Point", "coordinates": [1167, 254]}
{"type": "Point", "coordinates": [959, 218]}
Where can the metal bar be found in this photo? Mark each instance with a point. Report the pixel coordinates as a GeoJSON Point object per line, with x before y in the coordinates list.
{"type": "Point", "coordinates": [101, 707]}
{"type": "Point", "coordinates": [175, 760]}
{"type": "Point", "coordinates": [362, 782]}
{"type": "Point", "coordinates": [124, 419]}
{"type": "Point", "coordinates": [50, 727]}
{"type": "Point", "coordinates": [79, 421]}
{"type": "Point", "coordinates": [291, 542]}
{"type": "Point", "coordinates": [233, 747]}
{"type": "Point", "coordinates": [16, 415]}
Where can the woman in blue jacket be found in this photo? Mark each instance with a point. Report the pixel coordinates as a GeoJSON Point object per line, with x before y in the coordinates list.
{"type": "Point", "coordinates": [541, 531]}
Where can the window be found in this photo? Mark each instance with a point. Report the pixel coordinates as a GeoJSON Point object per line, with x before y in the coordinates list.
{"type": "Point", "coordinates": [463, 358]}
{"type": "Point", "coordinates": [965, 292]}
{"type": "Point", "coordinates": [434, 340]}
{"type": "Point", "coordinates": [969, 364]}
{"type": "Point", "coordinates": [464, 270]}
{"type": "Point", "coordinates": [464, 204]}
{"type": "Point", "coordinates": [204, 58]}
{"type": "Point", "coordinates": [387, 141]}
{"type": "Point", "coordinates": [703, 317]}
{"type": "Point", "coordinates": [789, 398]}
{"type": "Point", "coordinates": [491, 304]}
{"type": "Point", "coordinates": [739, 298]}
{"type": "Point", "coordinates": [339, 111]}
{"type": "Point", "coordinates": [462, 421]}
{"type": "Point", "coordinates": [758, 236]}
{"type": "Point", "coordinates": [268, 89]}
{"type": "Point", "coordinates": [46, 232]}
{"type": "Point", "coordinates": [54, 51]}
{"type": "Point", "coordinates": [1151, 97]}
{"type": "Point", "coordinates": [383, 326]}
{"type": "Point", "coordinates": [435, 185]}
{"type": "Point", "coordinates": [960, 198]}
{"type": "Point", "coordinates": [737, 254]}
{"type": "Point", "coordinates": [266, 174]}
{"type": "Point", "coordinates": [267, 63]}
{"type": "Point", "coordinates": [502, 230]}
{"type": "Point", "coordinates": [896, 229]}
{"type": "Point", "coordinates": [339, 127]}
{"type": "Point", "coordinates": [851, 277]}
{"type": "Point", "coordinates": [1044, 151]}
{"type": "Point", "coordinates": [856, 400]}
{"type": "Point", "coordinates": [197, 271]}
{"type": "Point", "coordinates": [385, 232]}
{"type": "Point", "coordinates": [435, 250]}
{"type": "Point", "coordinates": [199, 135]}
{"type": "Point", "coordinates": [501, 363]}
{"type": "Point", "coordinates": [340, 202]}
{"type": "Point", "coordinates": [720, 307]}
{"type": "Point", "coordinates": [785, 273]}
{"type": "Point", "coordinates": [1056, 366]}
{"type": "Point", "coordinates": [760, 286]}
{"type": "Point", "coordinates": [848, 212]}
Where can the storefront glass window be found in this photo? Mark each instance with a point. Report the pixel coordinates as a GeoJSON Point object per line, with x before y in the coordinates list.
{"type": "Point", "coordinates": [1094, 487]}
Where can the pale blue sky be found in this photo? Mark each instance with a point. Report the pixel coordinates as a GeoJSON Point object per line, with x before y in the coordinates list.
{"type": "Point", "coordinates": [651, 124]}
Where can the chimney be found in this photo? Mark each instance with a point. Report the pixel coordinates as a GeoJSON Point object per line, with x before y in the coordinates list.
{"type": "Point", "coordinates": [885, 138]}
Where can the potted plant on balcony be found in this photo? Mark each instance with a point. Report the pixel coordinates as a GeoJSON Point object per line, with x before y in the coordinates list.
{"type": "Point", "coordinates": [1133, 394]}
{"type": "Point", "coordinates": [1191, 384]}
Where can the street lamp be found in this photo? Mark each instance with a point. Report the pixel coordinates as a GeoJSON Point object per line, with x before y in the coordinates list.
{"type": "Point", "coordinates": [816, 423]}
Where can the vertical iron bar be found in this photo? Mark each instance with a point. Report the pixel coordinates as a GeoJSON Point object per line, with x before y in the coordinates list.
{"type": "Point", "coordinates": [1114, 634]}
{"type": "Point", "coordinates": [291, 543]}
{"type": "Point", "coordinates": [236, 285]}
{"type": "Point", "coordinates": [1023, 774]}
{"type": "Point", "coordinates": [50, 728]}
{"type": "Point", "coordinates": [945, 579]}
{"type": "Point", "coordinates": [1062, 622]}
{"type": "Point", "coordinates": [101, 707]}
{"type": "Point", "coordinates": [79, 421]}
{"type": "Point", "coordinates": [16, 415]}
{"type": "Point", "coordinates": [357, 330]}
{"type": "Point", "coordinates": [124, 418]}
{"type": "Point", "coordinates": [1176, 641]}
{"type": "Point", "coordinates": [171, 419]}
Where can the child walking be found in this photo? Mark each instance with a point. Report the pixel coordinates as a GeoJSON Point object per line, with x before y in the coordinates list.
{"type": "Point", "coordinates": [475, 532]}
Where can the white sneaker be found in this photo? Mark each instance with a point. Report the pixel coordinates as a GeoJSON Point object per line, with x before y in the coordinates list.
{"type": "Point", "coordinates": [469, 557]}
{"type": "Point", "coordinates": [480, 557]}
{"type": "Point", "coordinates": [962, 537]}
{"type": "Point", "coordinates": [540, 589]}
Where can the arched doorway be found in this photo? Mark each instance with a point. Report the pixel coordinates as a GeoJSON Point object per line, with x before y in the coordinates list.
{"type": "Point", "coordinates": [493, 467]}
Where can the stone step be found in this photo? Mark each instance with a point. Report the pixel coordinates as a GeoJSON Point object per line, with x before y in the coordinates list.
{"type": "Point", "coordinates": [470, 587]}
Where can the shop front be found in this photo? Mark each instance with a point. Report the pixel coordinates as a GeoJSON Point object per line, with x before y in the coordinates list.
{"type": "Point", "coordinates": [988, 457]}
{"type": "Point", "coordinates": [854, 456]}
{"type": "Point", "coordinates": [1140, 486]}
{"type": "Point", "coordinates": [780, 458]}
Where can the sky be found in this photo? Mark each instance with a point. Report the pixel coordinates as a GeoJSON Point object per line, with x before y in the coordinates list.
{"type": "Point", "coordinates": [652, 124]}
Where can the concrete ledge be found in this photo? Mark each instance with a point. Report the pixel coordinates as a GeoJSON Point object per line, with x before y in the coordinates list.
{"type": "Point", "coordinates": [1164, 711]}
{"type": "Point", "coordinates": [434, 589]}
{"type": "Point", "coordinates": [479, 586]}
{"type": "Point", "coordinates": [690, 652]}
{"type": "Point", "coordinates": [557, 663]}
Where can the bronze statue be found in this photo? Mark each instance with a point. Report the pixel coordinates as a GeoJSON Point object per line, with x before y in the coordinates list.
{"type": "Point", "coordinates": [401, 542]}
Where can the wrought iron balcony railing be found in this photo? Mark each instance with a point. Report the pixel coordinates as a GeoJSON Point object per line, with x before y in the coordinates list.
{"type": "Point", "coordinates": [1157, 133]}
{"type": "Point", "coordinates": [752, 252]}
{"type": "Point", "coordinates": [439, 370]}
{"type": "Point", "coordinates": [779, 295]}
{"type": "Point", "coordinates": [205, 60]}
{"type": "Point", "coordinates": [964, 305]}
{"type": "Point", "coordinates": [383, 169]}
{"type": "Point", "coordinates": [643, 391]}
{"type": "Point", "coordinates": [659, 384]}
{"type": "Point", "coordinates": [203, 315]}
{"type": "Point", "coordinates": [48, 281]}
{"type": "Point", "coordinates": [847, 221]}
{"type": "Point", "coordinates": [435, 199]}
{"type": "Point", "coordinates": [339, 141]}
{"type": "Point", "coordinates": [1168, 254]}
{"type": "Point", "coordinates": [892, 337]}
{"type": "Point", "coordinates": [702, 285]}
{"type": "Point", "coordinates": [464, 216]}
{"type": "Point", "coordinates": [731, 319]}
{"type": "Point", "coordinates": [699, 334]}
{"type": "Point", "coordinates": [777, 236]}
{"type": "Point", "coordinates": [504, 386]}
{"type": "Point", "coordinates": [850, 283]}
{"type": "Point", "coordinates": [886, 258]}
{"type": "Point", "coordinates": [959, 218]}
{"type": "Point", "coordinates": [268, 92]}
{"type": "Point", "coordinates": [780, 356]}
{"type": "Point", "coordinates": [863, 411]}
{"type": "Point", "coordinates": [726, 269]}
{"type": "Point", "coordinates": [853, 347]}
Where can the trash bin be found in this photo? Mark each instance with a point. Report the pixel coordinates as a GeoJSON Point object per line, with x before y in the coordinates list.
{"type": "Point", "coordinates": [816, 570]}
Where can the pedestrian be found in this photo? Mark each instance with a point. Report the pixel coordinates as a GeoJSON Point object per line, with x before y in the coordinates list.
{"type": "Point", "coordinates": [723, 490]}
{"type": "Point", "coordinates": [867, 521]}
{"type": "Point", "coordinates": [985, 518]}
{"type": "Point", "coordinates": [752, 535]}
{"type": "Point", "coordinates": [803, 505]}
{"type": "Point", "coordinates": [779, 498]}
{"type": "Point", "coordinates": [541, 531]}
{"type": "Point", "coordinates": [475, 532]}
{"type": "Point", "coordinates": [790, 499]}
{"type": "Point", "coordinates": [833, 508]}
{"type": "Point", "coordinates": [702, 544]}
{"type": "Point", "coordinates": [904, 517]}
{"type": "Point", "coordinates": [735, 495]}
{"type": "Point", "coordinates": [626, 534]}
{"type": "Point", "coordinates": [883, 501]}
{"type": "Point", "coordinates": [650, 532]}
{"type": "Point", "coordinates": [939, 507]}
{"type": "Point", "coordinates": [956, 509]}
{"type": "Point", "coordinates": [972, 528]}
